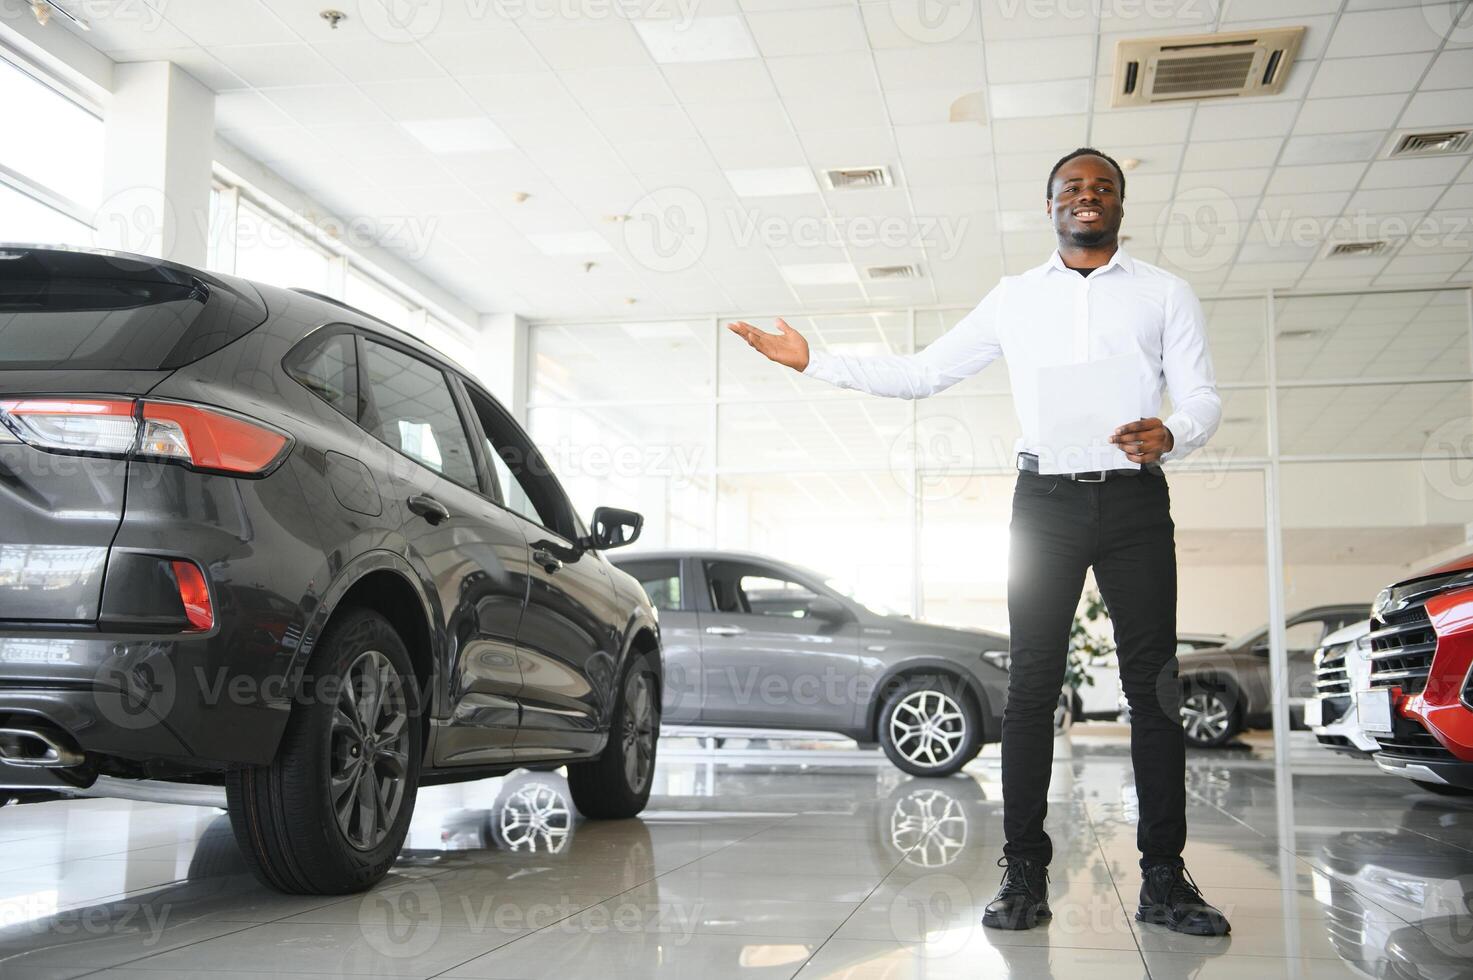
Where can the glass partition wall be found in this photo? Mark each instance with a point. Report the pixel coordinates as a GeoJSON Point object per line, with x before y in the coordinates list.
{"type": "Point", "coordinates": [1357, 407]}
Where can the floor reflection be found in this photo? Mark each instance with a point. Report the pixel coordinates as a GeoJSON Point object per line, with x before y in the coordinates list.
{"type": "Point", "coordinates": [780, 864]}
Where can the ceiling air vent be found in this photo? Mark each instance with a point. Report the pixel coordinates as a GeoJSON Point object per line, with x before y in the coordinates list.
{"type": "Point", "coordinates": [1428, 144]}
{"type": "Point", "coordinates": [1203, 66]}
{"type": "Point", "coordinates": [880, 273]}
{"type": "Point", "coordinates": [1355, 250]}
{"type": "Point", "coordinates": [846, 178]}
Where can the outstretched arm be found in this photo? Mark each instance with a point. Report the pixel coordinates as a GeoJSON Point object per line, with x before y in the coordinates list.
{"type": "Point", "coordinates": [960, 353]}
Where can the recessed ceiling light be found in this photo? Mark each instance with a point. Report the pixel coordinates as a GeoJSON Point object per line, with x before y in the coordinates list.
{"type": "Point", "coordinates": [772, 181]}
{"type": "Point", "coordinates": [820, 274]}
{"type": "Point", "coordinates": [520, 197]}
{"type": "Point", "coordinates": [673, 42]}
{"type": "Point", "coordinates": [1129, 163]}
{"type": "Point", "coordinates": [570, 243]}
{"type": "Point", "coordinates": [971, 107]}
{"type": "Point", "coordinates": [475, 134]}
{"type": "Point", "coordinates": [1069, 96]}
{"type": "Point", "coordinates": [616, 219]}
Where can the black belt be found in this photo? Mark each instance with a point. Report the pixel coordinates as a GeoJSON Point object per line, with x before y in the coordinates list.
{"type": "Point", "coordinates": [1028, 463]}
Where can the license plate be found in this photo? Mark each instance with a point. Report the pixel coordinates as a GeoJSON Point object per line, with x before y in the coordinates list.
{"type": "Point", "coordinates": [1314, 713]}
{"type": "Point", "coordinates": [1373, 710]}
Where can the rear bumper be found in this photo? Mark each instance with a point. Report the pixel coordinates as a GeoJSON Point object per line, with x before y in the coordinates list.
{"type": "Point", "coordinates": [172, 704]}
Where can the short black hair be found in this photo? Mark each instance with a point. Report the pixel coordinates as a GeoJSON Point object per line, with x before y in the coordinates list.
{"type": "Point", "coordinates": [1084, 151]}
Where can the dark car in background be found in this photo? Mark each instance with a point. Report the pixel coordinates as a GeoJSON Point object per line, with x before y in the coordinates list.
{"type": "Point", "coordinates": [1419, 705]}
{"type": "Point", "coordinates": [257, 539]}
{"type": "Point", "coordinates": [754, 642]}
{"type": "Point", "coordinates": [1229, 689]}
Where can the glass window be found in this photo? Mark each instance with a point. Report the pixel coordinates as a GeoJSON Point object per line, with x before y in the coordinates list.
{"type": "Point", "coordinates": [328, 366]}
{"type": "Point", "coordinates": [413, 411]}
{"type": "Point", "coordinates": [366, 295]}
{"type": "Point", "coordinates": [757, 591]}
{"type": "Point", "coordinates": [268, 250]}
{"type": "Point", "coordinates": [661, 580]}
{"type": "Point", "coordinates": [1304, 636]}
{"type": "Point", "coordinates": [523, 477]}
{"type": "Point", "coordinates": [67, 159]}
{"type": "Point", "coordinates": [25, 219]}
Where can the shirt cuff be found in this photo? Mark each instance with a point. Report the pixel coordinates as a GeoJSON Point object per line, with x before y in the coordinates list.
{"type": "Point", "coordinates": [1180, 427]}
{"type": "Point", "coordinates": [817, 361]}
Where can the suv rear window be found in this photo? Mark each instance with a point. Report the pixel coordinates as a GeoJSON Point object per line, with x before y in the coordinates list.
{"type": "Point", "coordinates": [133, 324]}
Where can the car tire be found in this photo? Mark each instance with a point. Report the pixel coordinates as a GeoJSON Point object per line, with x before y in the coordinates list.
{"type": "Point", "coordinates": [1209, 716]}
{"type": "Point", "coordinates": [952, 739]}
{"type": "Point", "coordinates": [294, 819]}
{"type": "Point", "coordinates": [1441, 789]}
{"type": "Point", "coordinates": [616, 785]}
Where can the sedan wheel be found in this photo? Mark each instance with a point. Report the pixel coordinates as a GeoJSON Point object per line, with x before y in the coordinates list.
{"type": "Point", "coordinates": [1207, 718]}
{"type": "Point", "coordinates": [928, 728]}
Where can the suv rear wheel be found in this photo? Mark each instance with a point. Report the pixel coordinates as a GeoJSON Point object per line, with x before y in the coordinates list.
{"type": "Point", "coordinates": [928, 727]}
{"type": "Point", "coordinates": [617, 784]}
{"type": "Point", "coordinates": [330, 813]}
{"type": "Point", "coordinates": [1209, 717]}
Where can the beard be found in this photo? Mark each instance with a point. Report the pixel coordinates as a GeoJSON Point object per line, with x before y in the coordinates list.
{"type": "Point", "coordinates": [1088, 238]}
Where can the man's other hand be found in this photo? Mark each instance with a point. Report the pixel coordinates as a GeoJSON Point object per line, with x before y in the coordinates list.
{"type": "Point", "coordinates": [787, 347]}
{"type": "Point", "coordinates": [1144, 441]}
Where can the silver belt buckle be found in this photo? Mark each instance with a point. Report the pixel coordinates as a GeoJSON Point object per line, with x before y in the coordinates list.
{"type": "Point", "coordinates": [1083, 479]}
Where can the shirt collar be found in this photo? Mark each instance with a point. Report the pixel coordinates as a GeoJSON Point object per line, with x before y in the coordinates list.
{"type": "Point", "coordinates": [1120, 258]}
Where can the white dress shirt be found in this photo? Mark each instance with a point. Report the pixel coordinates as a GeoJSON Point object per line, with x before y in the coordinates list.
{"type": "Point", "coordinates": [1049, 316]}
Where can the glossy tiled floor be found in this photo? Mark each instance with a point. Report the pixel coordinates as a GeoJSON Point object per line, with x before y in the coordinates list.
{"type": "Point", "coordinates": [770, 864]}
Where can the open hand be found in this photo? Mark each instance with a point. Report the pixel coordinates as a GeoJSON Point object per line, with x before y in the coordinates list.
{"type": "Point", "coordinates": [1143, 441]}
{"type": "Point", "coordinates": [787, 347]}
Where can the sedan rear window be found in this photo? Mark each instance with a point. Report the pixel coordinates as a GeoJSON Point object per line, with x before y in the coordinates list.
{"type": "Point", "coordinates": [130, 324]}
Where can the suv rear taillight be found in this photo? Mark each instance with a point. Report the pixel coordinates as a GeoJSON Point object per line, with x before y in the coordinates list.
{"type": "Point", "coordinates": [199, 437]}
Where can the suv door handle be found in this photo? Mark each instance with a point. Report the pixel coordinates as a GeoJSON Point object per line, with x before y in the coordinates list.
{"type": "Point", "coordinates": [725, 630]}
{"type": "Point", "coordinates": [549, 561]}
{"type": "Point", "coordinates": [429, 508]}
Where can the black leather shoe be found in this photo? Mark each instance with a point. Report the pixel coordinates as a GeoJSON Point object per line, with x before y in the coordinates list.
{"type": "Point", "coordinates": [1170, 898]}
{"type": "Point", "coordinates": [1022, 901]}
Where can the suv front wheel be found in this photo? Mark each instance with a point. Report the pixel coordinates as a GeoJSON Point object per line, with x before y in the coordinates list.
{"type": "Point", "coordinates": [928, 727]}
{"type": "Point", "coordinates": [330, 813]}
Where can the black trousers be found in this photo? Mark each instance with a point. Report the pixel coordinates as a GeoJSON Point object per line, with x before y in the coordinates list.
{"type": "Point", "coordinates": [1123, 528]}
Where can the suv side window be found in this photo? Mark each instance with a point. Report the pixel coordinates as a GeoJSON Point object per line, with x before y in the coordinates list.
{"type": "Point", "coordinates": [755, 590]}
{"type": "Point", "coordinates": [661, 581]}
{"type": "Point", "coordinates": [526, 480]}
{"type": "Point", "coordinates": [327, 366]}
{"type": "Point", "coordinates": [411, 409]}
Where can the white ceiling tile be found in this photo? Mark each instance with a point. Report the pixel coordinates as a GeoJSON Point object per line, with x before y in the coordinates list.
{"type": "Point", "coordinates": [1396, 200]}
{"type": "Point", "coordinates": [372, 60]}
{"type": "Point", "coordinates": [1377, 32]}
{"type": "Point", "coordinates": [1452, 69]}
{"type": "Point", "coordinates": [921, 105]}
{"type": "Point", "coordinates": [907, 25]}
{"type": "Point", "coordinates": [696, 39]}
{"type": "Point", "coordinates": [247, 110]}
{"type": "Point", "coordinates": [488, 52]}
{"type": "Point", "coordinates": [858, 112]}
{"type": "Point", "coordinates": [667, 156]}
{"type": "Point", "coordinates": [1052, 133]}
{"type": "Point", "coordinates": [1238, 11]}
{"type": "Point", "coordinates": [422, 98]}
{"type": "Point", "coordinates": [603, 43]}
{"type": "Point", "coordinates": [1369, 75]}
{"type": "Point", "coordinates": [833, 76]}
{"type": "Point", "coordinates": [1040, 59]}
{"type": "Point", "coordinates": [208, 70]}
{"type": "Point", "coordinates": [1124, 127]}
{"type": "Point", "coordinates": [1024, 20]}
{"type": "Point", "coordinates": [934, 66]}
{"type": "Point", "coordinates": [312, 105]}
{"type": "Point", "coordinates": [519, 94]}
{"type": "Point", "coordinates": [1450, 108]}
{"type": "Point", "coordinates": [1438, 171]}
{"type": "Point", "coordinates": [1349, 114]}
{"type": "Point", "coordinates": [1333, 148]}
{"type": "Point", "coordinates": [1320, 178]}
{"type": "Point", "coordinates": [942, 139]}
{"type": "Point", "coordinates": [644, 123]}
{"type": "Point", "coordinates": [275, 65]}
{"type": "Point", "coordinates": [727, 81]}
{"type": "Point", "coordinates": [1222, 154]}
{"type": "Point", "coordinates": [850, 147]}
{"type": "Point", "coordinates": [1038, 98]}
{"type": "Point", "coordinates": [618, 88]}
{"type": "Point", "coordinates": [816, 31]}
{"type": "Point", "coordinates": [227, 22]}
{"type": "Point", "coordinates": [940, 171]}
{"type": "Point", "coordinates": [1247, 182]}
{"type": "Point", "coordinates": [1327, 204]}
{"type": "Point", "coordinates": [1244, 120]}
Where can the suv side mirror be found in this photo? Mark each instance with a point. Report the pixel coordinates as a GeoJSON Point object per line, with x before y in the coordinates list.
{"type": "Point", "coordinates": [614, 527]}
{"type": "Point", "coordinates": [826, 607]}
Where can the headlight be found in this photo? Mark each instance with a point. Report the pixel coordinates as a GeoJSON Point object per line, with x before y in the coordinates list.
{"type": "Point", "coordinates": [998, 658]}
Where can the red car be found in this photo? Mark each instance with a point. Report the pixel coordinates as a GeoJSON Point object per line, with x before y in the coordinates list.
{"type": "Point", "coordinates": [1420, 703]}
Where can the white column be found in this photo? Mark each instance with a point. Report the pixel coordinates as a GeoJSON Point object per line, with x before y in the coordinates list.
{"type": "Point", "coordinates": [157, 158]}
{"type": "Point", "coordinates": [503, 360]}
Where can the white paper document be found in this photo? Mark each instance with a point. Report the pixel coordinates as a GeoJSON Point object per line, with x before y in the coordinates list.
{"type": "Point", "coordinates": [1079, 406]}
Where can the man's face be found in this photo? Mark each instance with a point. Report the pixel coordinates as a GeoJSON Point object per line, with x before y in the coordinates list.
{"type": "Point", "coordinates": [1086, 208]}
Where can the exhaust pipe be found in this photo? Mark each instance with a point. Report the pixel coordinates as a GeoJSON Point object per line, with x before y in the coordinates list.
{"type": "Point", "coordinates": [33, 748]}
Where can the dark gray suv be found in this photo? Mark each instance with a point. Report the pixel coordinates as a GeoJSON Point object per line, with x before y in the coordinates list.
{"type": "Point", "coordinates": [256, 539]}
{"type": "Point", "coordinates": [753, 642]}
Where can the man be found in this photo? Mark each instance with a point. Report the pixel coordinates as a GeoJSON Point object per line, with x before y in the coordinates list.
{"type": "Point", "coordinates": [1089, 303]}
